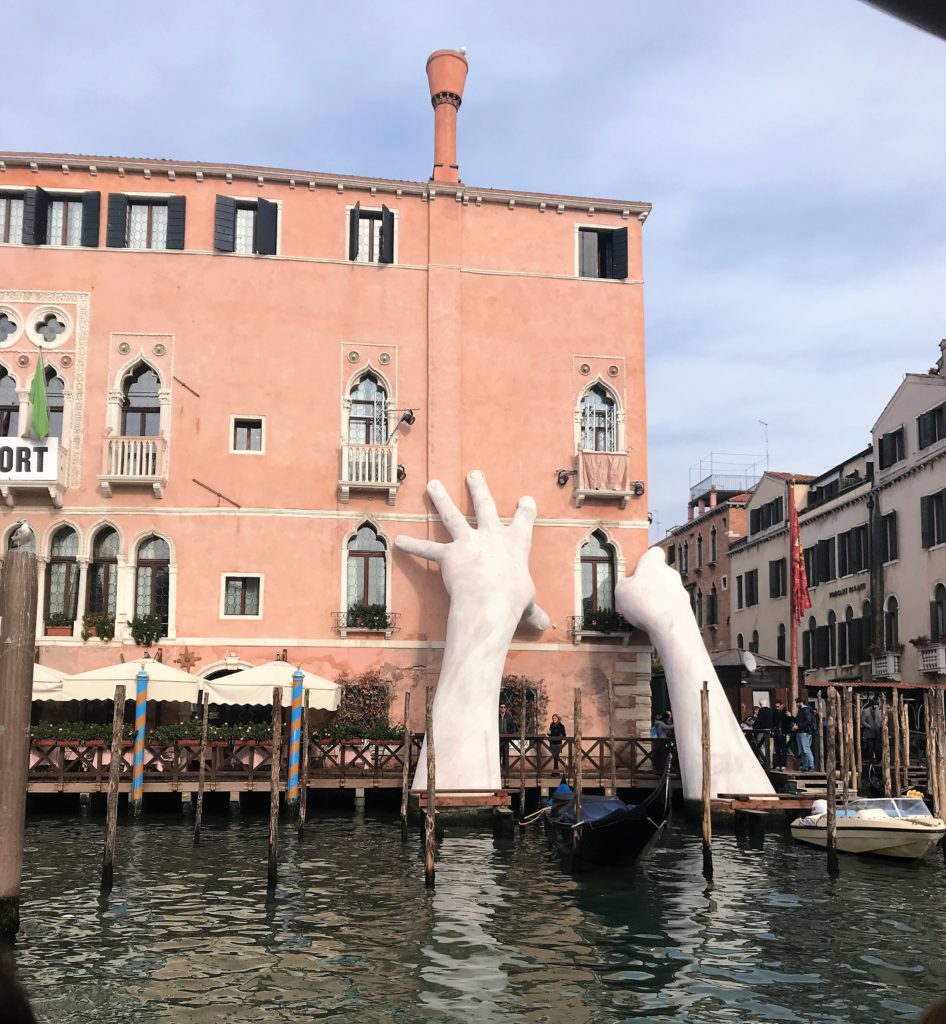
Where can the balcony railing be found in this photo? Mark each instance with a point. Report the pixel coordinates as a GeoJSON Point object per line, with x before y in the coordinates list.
{"type": "Point", "coordinates": [603, 476]}
{"type": "Point", "coordinates": [885, 666]}
{"type": "Point", "coordinates": [933, 657]}
{"type": "Point", "coordinates": [368, 467]}
{"type": "Point", "coordinates": [608, 626]}
{"type": "Point", "coordinates": [134, 460]}
{"type": "Point", "coordinates": [34, 467]}
{"type": "Point", "coordinates": [386, 625]}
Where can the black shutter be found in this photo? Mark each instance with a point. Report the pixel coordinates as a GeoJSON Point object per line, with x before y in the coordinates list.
{"type": "Point", "coordinates": [35, 216]}
{"type": "Point", "coordinates": [225, 224]}
{"type": "Point", "coordinates": [264, 236]}
{"type": "Point", "coordinates": [116, 228]}
{"type": "Point", "coordinates": [754, 521]}
{"type": "Point", "coordinates": [386, 242]}
{"type": "Point", "coordinates": [619, 254]}
{"type": "Point", "coordinates": [844, 553]}
{"type": "Point", "coordinates": [926, 521]}
{"type": "Point", "coordinates": [773, 579]}
{"type": "Point", "coordinates": [91, 215]}
{"type": "Point", "coordinates": [779, 509]}
{"type": "Point", "coordinates": [176, 211]}
{"type": "Point", "coordinates": [924, 434]}
{"type": "Point", "coordinates": [822, 647]}
{"type": "Point", "coordinates": [934, 621]}
{"type": "Point", "coordinates": [892, 552]}
{"type": "Point", "coordinates": [354, 216]}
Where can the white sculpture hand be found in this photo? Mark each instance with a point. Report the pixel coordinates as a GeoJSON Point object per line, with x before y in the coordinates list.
{"type": "Point", "coordinates": [652, 598]}
{"type": "Point", "coordinates": [486, 573]}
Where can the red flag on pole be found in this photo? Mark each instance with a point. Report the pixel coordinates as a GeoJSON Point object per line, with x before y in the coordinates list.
{"type": "Point", "coordinates": [800, 600]}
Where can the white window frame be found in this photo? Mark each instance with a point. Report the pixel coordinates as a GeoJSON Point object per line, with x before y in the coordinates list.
{"type": "Point", "coordinates": [372, 209]}
{"type": "Point", "coordinates": [244, 451]}
{"type": "Point", "coordinates": [21, 191]}
{"type": "Point", "coordinates": [600, 229]}
{"type": "Point", "coordinates": [239, 574]}
{"type": "Point", "coordinates": [255, 201]}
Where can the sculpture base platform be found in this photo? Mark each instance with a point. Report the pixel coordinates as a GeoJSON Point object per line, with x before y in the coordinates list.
{"type": "Point", "coordinates": [461, 808]}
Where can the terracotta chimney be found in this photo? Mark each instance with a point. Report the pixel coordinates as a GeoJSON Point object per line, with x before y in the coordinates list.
{"type": "Point", "coordinates": [446, 74]}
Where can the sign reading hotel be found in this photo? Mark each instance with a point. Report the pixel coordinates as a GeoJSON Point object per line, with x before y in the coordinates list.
{"type": "Point", "coordinates": [23, 460]}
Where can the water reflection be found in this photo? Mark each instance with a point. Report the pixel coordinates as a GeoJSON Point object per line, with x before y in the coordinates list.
{"type": "Point", "coordinates": [190, 934]}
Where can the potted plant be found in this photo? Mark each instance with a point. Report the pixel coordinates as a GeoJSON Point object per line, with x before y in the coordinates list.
{"type": "Point", "coordinates": [146, 629]}
{"type": "Point", "coordinates": [99, 624]}
{"type": "Point", "coordinates": [367, 616]}
{"type": "Point", "coordinates": [605, 620]}
{"type": "Point", "coordinates": [59, 624]}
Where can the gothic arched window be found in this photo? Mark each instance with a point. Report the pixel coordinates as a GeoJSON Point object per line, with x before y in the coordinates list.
{"type": "Point", "coordinates": [598, 421]}
{"type": "Point", "coordinates": [141, 407]}
{"type": "Point", "coordinates": [62, 575]}
{"type": "Point", "coordinates": [597, 574]}
{"type": "Point", "coordinates": [368, 416]}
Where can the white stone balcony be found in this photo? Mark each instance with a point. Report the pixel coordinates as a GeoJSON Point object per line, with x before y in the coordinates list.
{"type": "Point", "coordinates": [603, 476]}
{"type": "Point", "coordinates": [134, 461]}
{"type": "Point", "coordinates": [29, 467]}
{"type": "Point", "coordinates": [933, 657]}
{"type": "Point", "coordinates": [885, 666]}
{"type": "Point", "coordinates": [368, 467]}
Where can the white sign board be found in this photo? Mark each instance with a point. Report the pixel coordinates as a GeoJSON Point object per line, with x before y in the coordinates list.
{"type": "Point", "coordinates": [27, 461]}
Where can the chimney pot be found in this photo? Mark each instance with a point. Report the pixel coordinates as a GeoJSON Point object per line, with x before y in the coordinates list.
{"type": "Point", "coordinates": [446, 75]}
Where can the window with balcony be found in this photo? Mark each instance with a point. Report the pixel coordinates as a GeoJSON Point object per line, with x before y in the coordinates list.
{"type": "Point", "coordinates": [134, 454]}
{"type": "Point", "coordinates": [62, 578]}
{"type": "Point", "coordinates": [152, 579]}
{"type": "Point", "coordinates": [9, 405]}
{"type": "Point", "coordinates": [371, 235]}
{"type": "Point", "coordinates": [11, 218]}
{"type": "Point", "coordinates": [103, 572]}
{"type": "Point", "coordinates": [602, 253]}
{"type": "Point", "coordinates": [938, 613]}
{"type": "Point", "coordinates": [367, 418]}
{"type": "Point", "coordinates": [246, 225]}
{"type": "Point", "coordinates": [369, 455]}
{"type": "Point", "coordinates": [598, 421]}
{"type": "Point", "coordinates": [141, 412]}
{"type": "Point", "coordinates": [242, 597]}
{"type": "Point", "coordinates": [892, 624]}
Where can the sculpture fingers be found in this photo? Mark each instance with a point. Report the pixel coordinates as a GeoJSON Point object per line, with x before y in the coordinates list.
{"type": "Point", "coordinates": [535, 617]}
{"type": "Point", "coordinates": [483, 505]}
{"type": "Point", "coordinates": [428, 549]}
{"type": "Point", "coordinates": [450, 515]}
{"type": "Point", "coordinates": [523, 521]}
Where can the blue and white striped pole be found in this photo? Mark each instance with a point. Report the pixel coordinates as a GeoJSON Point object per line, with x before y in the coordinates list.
{"type": "Point", "coordinates": [138, 764]}
{"type": "Point", "coordinates": [295, 736]}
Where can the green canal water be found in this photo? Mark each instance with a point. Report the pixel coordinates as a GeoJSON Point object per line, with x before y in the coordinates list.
{"type": "Point", "coordinates": [189, 934]}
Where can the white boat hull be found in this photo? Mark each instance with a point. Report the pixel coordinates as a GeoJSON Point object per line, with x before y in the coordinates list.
{"type": "Point", "coordinates": [900, 838]}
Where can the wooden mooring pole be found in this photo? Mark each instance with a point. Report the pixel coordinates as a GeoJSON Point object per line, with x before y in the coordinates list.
{"type": "Point", "coordinates": [830, 771]}
{"type": "Point", "coordinates": [849, 744]}
{"type": "Point", "coordinates": [841, 719]}
{"type": "Point", "coordinates": [822, 726]}
{"type": "Point", "coordinates": [114, 774]}
{"type": "Point", "coordinates": [929, 736]}
{"type": "Point", "coordinates": [576, 831]}
{"type": "Point", "coordinates": [905, 743]}
{"type": "Point", "coordinates": [707, 793]}
{"type": "Point", "coordinates": [274, 787]}
{"type": "Point", "coordinates": [202, 767]}
{"type": "Point", "coordinates": [895, 732]}
{"type": "Point", "coordinates": [17, 643]}
{"type": "Point", "coordinates": [939, 716]}
{"type": "Point", "coordinates": [614, 759]}
{"type": "Point", "coordinates": [406, 762]}
{"type": "Point", "coordinates": [858, 741]}
{"type": "Point", "coordinates": [522, 750]}
{"type": "Point", "coordinates": [430, 840]}
{"type": "Point", "coordinates": [885, 743]}
{"type": "Point", "coordinates": [304, 767]}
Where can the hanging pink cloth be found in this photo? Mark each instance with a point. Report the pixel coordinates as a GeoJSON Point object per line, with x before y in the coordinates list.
{"type": "Point", "coordinates": [604, 471]}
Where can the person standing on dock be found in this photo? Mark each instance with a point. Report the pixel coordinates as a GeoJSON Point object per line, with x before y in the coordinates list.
{"type": "Point", "coordinates": [506, 726]}
{"type": "Point", "coordinates": [803, 728]}
{"type": "Point", "coordinates": [782, 726]}
{"type": "Point", "coordinates": [556, 739]}
{"type": "Point", "coordinates": [870, 731]}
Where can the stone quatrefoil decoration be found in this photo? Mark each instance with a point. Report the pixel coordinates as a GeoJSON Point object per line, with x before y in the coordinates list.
{"type": "Point", "coordinates": [49, 328]}
{"type": "Point", "coordinates": [7, 327]}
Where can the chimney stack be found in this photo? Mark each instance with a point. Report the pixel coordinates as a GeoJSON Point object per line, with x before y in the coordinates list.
{"type": "Point", "coordinates": [446, 74]}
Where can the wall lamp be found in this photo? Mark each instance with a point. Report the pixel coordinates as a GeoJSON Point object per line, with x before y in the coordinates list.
{"type": "Point", "coordinates": [638, 488]}
{"type": "Point", "coordinates": [407, 417]}
{"type": "Point", "coordinates": [401, 474]}
{"type": "Point", "coordinates": [562, 475]}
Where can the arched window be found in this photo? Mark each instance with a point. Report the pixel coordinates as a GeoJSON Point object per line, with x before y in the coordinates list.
{"type": "Point", "coordinates": [740, 642]}
{"type": "Point", "coordinates": [367, 568]}
{"type": "Point", "coordinates": [938, 613]}
{"type": "Point", "coordinates": [141, 408]}
{"type": "Point", "coordinates": [9, 405]}
{"type": "Point", "coordinates": [699, 551]}
{"type": "Point", "coordinates": [713, 551]}
{"type": "Point", "coordinates": [55, 399]}
{"type": "Point", "coordinates": [598, 421]}
{"type": "Point", "coordinates": [808, 644]}
{"type": "Point", "coordinates": [685, 557]}
{"type": "Point", "coordinates": [754, 642]}
{"type": "Point", "coordinates": [832, 638]}
{"type": "Point", "coordinates": [891, 624]}
{"type": "Point", "coordinates": [152, 578]}
{"type": "Point", "coordinates": [699, 608]}
{"type": "Point", "coordinates": [368, 417]}
{"type": "Point", "coordinates": [597, 574]}
{"type": "Point", "coordinates": [712, 609]}
{"type": "Point", "coordinates": [780, 642]}
{"type": "Point", "coordinates": [62, 576]}
{"type": "Point", "coordinates": [847, 638]}
{"type": "Point", "coordinates": [867, 627]}
{"type": "Point", "coordinates": [103, 572]}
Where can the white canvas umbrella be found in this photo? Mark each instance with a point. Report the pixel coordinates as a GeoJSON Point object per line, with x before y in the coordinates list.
{"type": "Point", "coordinates": [47, 683]}
{"type": "Point", "coordinates": [255, 686]}
{"type": "Point", "coordinates": [164, 682]}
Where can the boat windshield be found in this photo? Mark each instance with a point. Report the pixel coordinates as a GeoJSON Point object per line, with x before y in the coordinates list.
{"type": "Point", "coordinates": [895, 807]}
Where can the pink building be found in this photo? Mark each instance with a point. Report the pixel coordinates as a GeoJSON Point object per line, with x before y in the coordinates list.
{"type": "Point", "coordinates": [253, 373]}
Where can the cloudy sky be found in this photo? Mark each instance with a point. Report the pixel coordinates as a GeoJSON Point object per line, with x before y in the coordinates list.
{"type": "Point", "coordinates": [794, 151]}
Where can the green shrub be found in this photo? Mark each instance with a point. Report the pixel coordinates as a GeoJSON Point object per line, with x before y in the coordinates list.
{"type": "Point", "coordinates": [59, 619]}
{"type": "Point", "coordinates": [146, 629]}
{"type": "Point", "coordinates": [101, 622]}
{"type": "Point", "coordinates": [368, 616]}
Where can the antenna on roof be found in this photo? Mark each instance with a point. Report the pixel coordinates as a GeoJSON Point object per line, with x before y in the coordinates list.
{"type": "Point", "coordinates": [765, 441]}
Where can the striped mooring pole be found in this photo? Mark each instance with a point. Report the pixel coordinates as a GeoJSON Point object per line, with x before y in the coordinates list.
{"type": "Point", "coordinates": [138, 764]}
{"type": "Point", "coordinates": [295, 737]}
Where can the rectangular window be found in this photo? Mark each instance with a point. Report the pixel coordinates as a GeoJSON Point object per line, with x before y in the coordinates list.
{"type": "Point", "coordinates": [671, 554]}
{"type": "Point", "coordinates": [246, 225]}
{"type": "Point", "coordinates": [371, 235]}
{"type": "Point", "coordinates": [725, 582]}
{"type": "Point", "coordinates": [64, 221]}
{"type": "Point", "coordinates": [739, 592]}
{"type": "Point", "coordinates": [777, 578]}
{"type": "Point", "coordinates": [888, 538]}
{"type": "Point", "coordinates": [933, 519]}
{"type": "Point", "coordinates": [602, 253]}
{"type": "Point", "coordinates": [825, 560]}
{"type": "Point", "coordinates": [931, 426]}
{"type": "Point", "coordinates": [892, 448]}
{"type": "Point", "coordinates": [246, 435]}
{"type": "Point", "coordinates": [11, 219]}
{"type": "Point", "coordinates": [752, 588]}
{"type": "Point", "coordinates": [147, 224]}
{"type": "Point", "coordinates": [242, 597]}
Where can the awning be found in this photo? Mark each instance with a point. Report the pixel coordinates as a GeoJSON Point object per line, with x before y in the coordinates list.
{"type": "Point", "coordinates": [47, 683]}
{"type": "Point", "coordinates": [255, 686]}
{"type": "Point", "coordinates": [164, 682]}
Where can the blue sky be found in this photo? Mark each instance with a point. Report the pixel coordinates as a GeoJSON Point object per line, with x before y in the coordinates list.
{"type": "Point", "coordinates": [795, 260]}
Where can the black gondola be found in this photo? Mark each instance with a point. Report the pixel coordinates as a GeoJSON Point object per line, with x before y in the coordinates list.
{"type": "Point", "coordinates": [610, 830]}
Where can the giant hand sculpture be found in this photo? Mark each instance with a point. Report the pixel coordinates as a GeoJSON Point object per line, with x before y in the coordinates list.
{"type": "Point", "coordinates": [486, 573]}
{"type": "Point", "coordinates": [653, 599]}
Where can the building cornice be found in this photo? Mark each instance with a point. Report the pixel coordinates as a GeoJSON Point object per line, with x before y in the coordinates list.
{"type": "Point", "coordinates": [260, 176]}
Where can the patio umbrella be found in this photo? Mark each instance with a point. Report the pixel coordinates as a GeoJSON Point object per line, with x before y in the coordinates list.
{"type": "Point", "coordinates": [255, 686]}
{"type": "Point", "coordinates": [164, 682]}
{"type": "Point", "coordinates": [47, 683]}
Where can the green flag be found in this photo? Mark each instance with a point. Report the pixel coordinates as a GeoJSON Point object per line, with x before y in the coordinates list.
{"type": "Point", "coordinates": [39, 419]}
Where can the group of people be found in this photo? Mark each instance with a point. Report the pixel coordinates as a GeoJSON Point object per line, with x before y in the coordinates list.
{"type": "Point", "coordinates": [783, 725]}
{"type": "Point", "coordinates": [556, 734]}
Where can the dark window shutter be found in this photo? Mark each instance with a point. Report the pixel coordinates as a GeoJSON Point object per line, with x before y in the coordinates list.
{"type": "Point", "coordinates": [754, 521]}
{"type": "Point", "coordinates": [884, 446]}
{"type": "Point", "coordinates": [264, 240]}
{"type": "Point", "coordinates": [116, 228]}
{"type": "Point", "coordinates": [924, 434]}
{"type": "Point", "coordinates": [91, 215]}
{"type": "Point", "coordinates": [386, 255]}
{"type": "Point", "coordinates": [176, 211]}
{"type": "Point", "coordinates": [892, 551]}
{"type": "Point", "coordinates": [354, 215]}
{"type": "Point", "coordinates": [926, 521]}
{"type": "Point", "coordinates": [35, 216]}
{"type": "Point", "coordinates": [773, 579]}
{"type": "Point", "coordinates": [225, 224]}
{"type": "Point", "coordinates": [779, 509]}
{"type": "Point", "coordinates": [619, 254]}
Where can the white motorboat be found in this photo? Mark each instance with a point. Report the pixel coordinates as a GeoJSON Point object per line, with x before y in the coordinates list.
{"type": "Point", "coordinates": [900, 827]}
